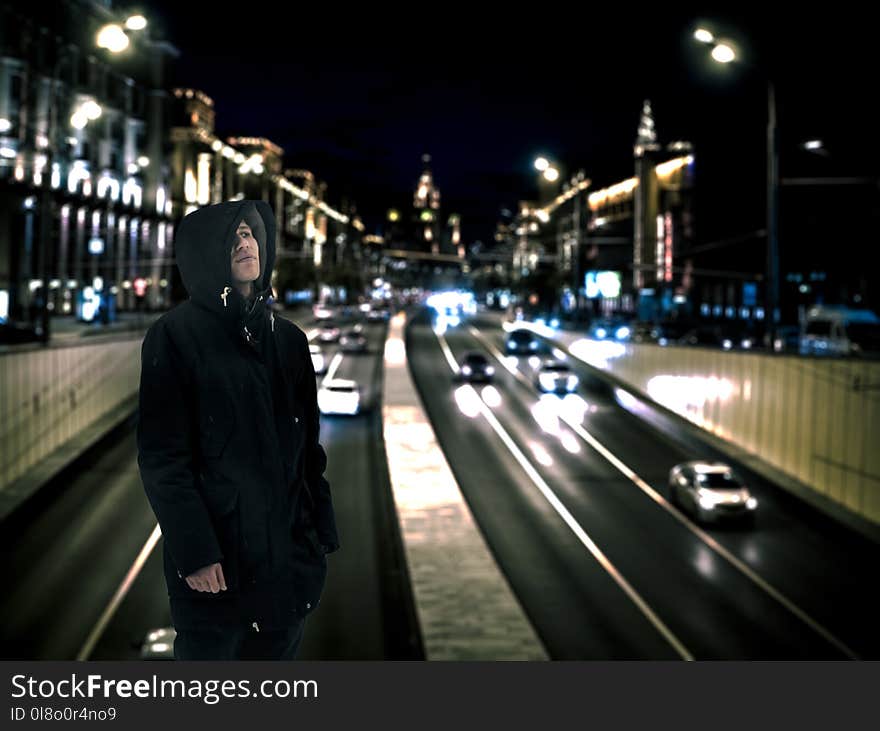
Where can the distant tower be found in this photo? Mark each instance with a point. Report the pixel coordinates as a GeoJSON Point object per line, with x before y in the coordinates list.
{"type": "Point", "coordinates": [645, 152]}
{"type": "Point", "coordinates": [426, 211]}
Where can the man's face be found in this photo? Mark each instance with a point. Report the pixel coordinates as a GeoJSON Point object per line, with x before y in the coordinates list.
{"type": "Point", "coordinates": [245, 255]}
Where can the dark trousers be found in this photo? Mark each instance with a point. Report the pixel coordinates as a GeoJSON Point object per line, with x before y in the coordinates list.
{"type": "Point", "coordinates": [238, 643]}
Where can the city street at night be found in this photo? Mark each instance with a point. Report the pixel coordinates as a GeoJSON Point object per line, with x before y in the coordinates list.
{"type": "Point", "coordinates": [793, 585]}
{"type": "Point", "coordinates": [587, 303]}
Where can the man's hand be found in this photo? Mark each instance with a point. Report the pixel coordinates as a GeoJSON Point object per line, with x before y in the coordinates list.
{"type": "Point", "coordinates": [208, 578]}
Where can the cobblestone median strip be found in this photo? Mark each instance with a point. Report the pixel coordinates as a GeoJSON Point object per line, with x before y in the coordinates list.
{"type": "Point", "coordinates": [465, 607]}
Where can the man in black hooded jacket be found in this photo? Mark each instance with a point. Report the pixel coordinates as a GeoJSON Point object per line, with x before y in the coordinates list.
{"type": "Point", "coordinates": [228, 447]}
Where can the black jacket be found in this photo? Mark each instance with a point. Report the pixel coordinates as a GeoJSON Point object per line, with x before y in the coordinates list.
{"type": "Point", "coordinates": [227, 436]}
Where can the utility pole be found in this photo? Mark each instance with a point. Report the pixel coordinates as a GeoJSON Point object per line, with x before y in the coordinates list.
{"type": "Point", "coordinates": [772, 285]}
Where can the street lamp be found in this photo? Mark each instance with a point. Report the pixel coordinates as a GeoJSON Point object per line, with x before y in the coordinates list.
{"type": "Point", "coordinates": [723, 52]}
{"type": "Point", "coordinates": [136, 22]}
{"type": "Point", "coordinates": [551, 173]}
{"type": "Point", "coordinates": [548, 170]}
{"type": "Point", "coordinates": [113, 36]}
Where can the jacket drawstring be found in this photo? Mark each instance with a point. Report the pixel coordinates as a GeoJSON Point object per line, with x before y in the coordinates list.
{"type": "Point", "coordinates": [225, 294]}
{"type": "Point", "coordinates": [272, 320]}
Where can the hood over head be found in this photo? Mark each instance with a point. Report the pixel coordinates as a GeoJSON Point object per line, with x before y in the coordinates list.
{"type": "Point", "coordinates": [203, 245]}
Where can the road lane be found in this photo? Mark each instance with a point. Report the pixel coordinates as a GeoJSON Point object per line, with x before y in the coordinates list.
{"type": "Point", "coordinates": [822, 569]}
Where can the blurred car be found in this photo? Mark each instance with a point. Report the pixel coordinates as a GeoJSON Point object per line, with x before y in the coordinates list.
{"type": "Point", "coordinates": [646, 332]}
{"type": "Point", "coordinates": [353, 341]}
{"type": "Point", "coordinates": [476, 367]}
{"type": "Point", "coordinates": [159, 644]}
{"type": "Point", "coordinates": [554, 376]}
{"type": "Point", "coordinates": [522, 342]}
{"type": "Point", "coordinates": [378, 313]}
{"type": "Point", "coordinates": [608, 328]}
{"type": "Point", "coordinates": [318, 362]}
{"type": "Point", "coordinates": [323, 311]}
{"type": "Point", "coordinates": [328, 331]}
{"type": "Point", "coordinates": [710, 491]}
{"type": "Point", "coordinates": [838, 330]}
{"type": "Point", "coordinates": [339, 396]}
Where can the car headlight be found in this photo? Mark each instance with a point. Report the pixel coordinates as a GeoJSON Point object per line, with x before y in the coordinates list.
{"type": "Point", "coordinates": [752, 503]}
{"type": "Point", "coordinates": [706, 499]}
{"type": "Point", "coordinates": [554, 323]}
{"type": "Point", "coordinates": [622, 333]}
{"type": "Point", "coordinates": [572, 381]}
{"type": "Point", "coordinates": [601, 332]}
{"type": "Point", "coordinates": [533, 344]}
{"type": "Point", "coordinates": [490, 371]}
{"type": "Point", "coordinates": [466, 370]}
{"type": "Point", "coordinates": [547, 380]}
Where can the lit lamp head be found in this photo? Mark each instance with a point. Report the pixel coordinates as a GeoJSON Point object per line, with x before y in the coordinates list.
{"type": "Point", "coordinates": [723, 53]}
{"type": "Point", "coordinates": [113, 38]}
{"type": "Point", "coordinates": [136, 22]}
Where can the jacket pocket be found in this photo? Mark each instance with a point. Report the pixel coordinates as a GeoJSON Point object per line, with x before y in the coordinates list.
{"type": "Point", "coordinates": [227, 529]}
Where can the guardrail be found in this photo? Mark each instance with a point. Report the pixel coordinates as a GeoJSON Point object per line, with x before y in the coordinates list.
{"type": "Point", "coordinates": [49, 396]}
{"type": "Point", "coordinates": [814, 420]}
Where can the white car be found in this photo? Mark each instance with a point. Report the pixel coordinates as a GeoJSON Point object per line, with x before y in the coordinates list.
{"type": "Point", "coordinates": [711, 491]}
{"type": "Point", "coordinates": [556, 377]}
{"type": "Point", "coordinates": [339, 396]}
{"type": "Point", "coordinates": [318, 362]}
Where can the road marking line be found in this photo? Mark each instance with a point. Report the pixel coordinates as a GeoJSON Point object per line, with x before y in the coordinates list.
{"type": "Point", "coordinates": [450, 358]}
{"type": "Point", "coordinates": [92, 640]}
{"type": "Point", "coordinates": [576, 528]}
{"type": "Point", "coordinates": [737, 563]}
{"type": "Point", "coordinates": [333, 367]}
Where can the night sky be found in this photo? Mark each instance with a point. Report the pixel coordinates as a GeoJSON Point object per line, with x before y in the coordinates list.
{"type": "Point", "coordinates": [358, 97]}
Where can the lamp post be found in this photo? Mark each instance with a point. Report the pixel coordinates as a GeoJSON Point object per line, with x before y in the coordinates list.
{"type": "Point", "coordinates": [46, 202]}
{"type": "Point", "coordinates": [551, 173]}
{"type": "Point", "coordinates": [723, 52]}
{"type": "Point", "coordinates": [113, 38]}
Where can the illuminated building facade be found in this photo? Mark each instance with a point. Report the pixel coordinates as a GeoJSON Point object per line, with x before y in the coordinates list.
{"type": "Point", "coordinates": [83, 187]}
